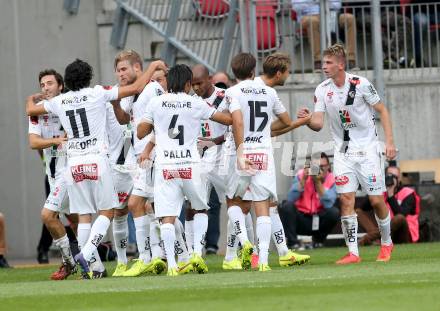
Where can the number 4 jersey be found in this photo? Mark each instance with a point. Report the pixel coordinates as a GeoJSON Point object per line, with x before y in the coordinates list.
{"type": "Point", "coordinates": [176, 119]}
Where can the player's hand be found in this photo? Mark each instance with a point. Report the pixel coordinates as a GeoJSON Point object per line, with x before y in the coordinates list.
{"type": "Point", "coordinates": [304, 120]}
{"type": "Point", "coordinates": [159, 64]}
{"type": "Point", "coordinates": [245, 165]}
{"type": "Point", "coordinates": [145, 161]}
{"type": "Point", "coordinates": [59, 140]}
{"type": "Point", "coordinates": [390, 151]}
{"type": "Point", "coordinates": [318, 178]}
{"type": "Point", "coordinates": [303, 113]}
{"type": "Point", "coordinates": [204, 143]}
{"type": "Point", "coordinates": [38, 97]}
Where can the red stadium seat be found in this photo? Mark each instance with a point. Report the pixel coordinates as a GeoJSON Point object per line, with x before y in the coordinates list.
{"type": "Point", "coordinates": [267, 30]}
{"type": "Point", "coordinates": [212, 8]}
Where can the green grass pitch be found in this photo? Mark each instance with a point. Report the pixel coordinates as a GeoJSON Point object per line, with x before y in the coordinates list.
{"type": "Point", "coordinates": [411, 281]}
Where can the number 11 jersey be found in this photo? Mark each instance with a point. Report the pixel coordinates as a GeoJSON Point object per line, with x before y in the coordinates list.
{"type": "Point", "coordinates": [83, 116]}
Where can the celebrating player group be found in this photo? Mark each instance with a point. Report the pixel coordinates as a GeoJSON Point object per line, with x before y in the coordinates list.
{"type": "Point", "coordinates": [146, 145]}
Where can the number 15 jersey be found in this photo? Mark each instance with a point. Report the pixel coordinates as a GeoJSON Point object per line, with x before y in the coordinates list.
{"type": "Point", "coordinates": [257, 103]}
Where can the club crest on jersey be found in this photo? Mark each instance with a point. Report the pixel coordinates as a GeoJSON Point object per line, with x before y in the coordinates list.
{"type": "Point", "coordinates": [84, 172]}
{"type": "Point", "coordinates": [206, 131]}
{"type": "Point", "coordinates": [181, 173]}
{"type": "Point", "coordinates": [259, 160]}
{"type": "Point", "coordinates": [354, 81]}
{"type": "Point", "coordinates": [346, 119]}
{"type": "Point", "coordinates": [330, 95]}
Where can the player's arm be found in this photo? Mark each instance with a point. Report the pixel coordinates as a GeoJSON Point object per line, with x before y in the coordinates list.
{"type": "Point", "coordinates": [122, 116]}
{"type": "Point", "coordinates": [140, 83]}
{"type": "Point", "coordinates": [145, 155]}
{"type": "Point", "coordinates": [37, 142]}
{"type": "Point", "coordinates": [316, 120]}
{"type": "Point", "coordinates": [224, 117]}
{"type": "Point", "coordinates": [144, 128]}
{"type": "Point", "coordinates": [390, 148]}
{"type": "Point", "coordinates": [31, 108]}
{"type": "Point", "coordinates": [291, 124]}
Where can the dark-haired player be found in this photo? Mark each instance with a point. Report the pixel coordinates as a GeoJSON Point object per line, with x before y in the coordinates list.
{"type": "Point", "coordinates": [47, 134]}
{"type": "Point", "coordinates": [82, 113]}
{"type": "Point", "coordinates": [176, 118]}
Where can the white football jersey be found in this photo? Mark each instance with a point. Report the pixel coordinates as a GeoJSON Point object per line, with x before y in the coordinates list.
{"type": "Point", "coordinates": [137, 107]}
{"type": "Point", "coordinates": [176, 119]}
{"type": "Point", "coordinates": [49, 126]}
{"type": "Point", "coordinates": [211, 129]}
{"type": "Point", "coordinates": [358, 118]}
{"type": "Point", "coordinates": [83, 116]}
{"type": "Point", "coordinates": [257, 103]}
{"type": "Point", "coordinates": [120, 140]}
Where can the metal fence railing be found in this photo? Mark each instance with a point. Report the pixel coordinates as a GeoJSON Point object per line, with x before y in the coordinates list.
{"type": "Point", "coordinates": [212, 31]}
{"type": "Point", "coordinates": [205, 31]}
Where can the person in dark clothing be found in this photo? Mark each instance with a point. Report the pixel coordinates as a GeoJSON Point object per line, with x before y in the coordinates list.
{"type": "Point", "coordinates": [425, 15]}
{"type": "Point", "coordinates": [404, 205]}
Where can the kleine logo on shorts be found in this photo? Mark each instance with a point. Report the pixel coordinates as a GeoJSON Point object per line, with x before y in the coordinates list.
{"type": "Point", "coordinates": [341, 180]}
{"type": "Point", "coordinates": [84, 171]}
{"type": "Point", "coordinates": [259, 160]}
{"type": "Point", "coordinates": [181, 173]}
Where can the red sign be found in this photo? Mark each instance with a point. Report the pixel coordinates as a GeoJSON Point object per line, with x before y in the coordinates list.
{"type": "Point", "coordinates": [84, 172]}
{"type": "Point", "coordinates": [181, 173]}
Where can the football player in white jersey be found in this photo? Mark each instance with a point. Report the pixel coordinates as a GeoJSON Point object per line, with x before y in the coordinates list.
{"type": "Point", "coordinates": [209, 145]}
{"type": "Point", "coordinates": [176, 118]}
{"type": "Point", "coordinates": [276, 70]}
{"type": "Point", "coordinates": [47, 134]}
{"type": "Point", "coordinates": [351, 103]}
{"type": "Point", "coordinates": [128, 67]}
{"type": "Point", "coordinates": [122, 161]}
{"type": "Point", "coordinates": [82, 112]}
{"type": "Point", "coordinates": [252, 105]}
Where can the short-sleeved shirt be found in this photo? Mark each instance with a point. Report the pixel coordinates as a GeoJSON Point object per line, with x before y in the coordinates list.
{"type": "Point", "coordinates": [358, 118]}
{"type": "Point", "coordinates": [137, 108]}
{"type": "Point", "coordinates": [257, 103]}
{"type": "Point", "coordinates": [176, 119]}
{"type": "Point", "coordinates": [83, 116]}
{"type": "Point", "coordinates": [49, 126]}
